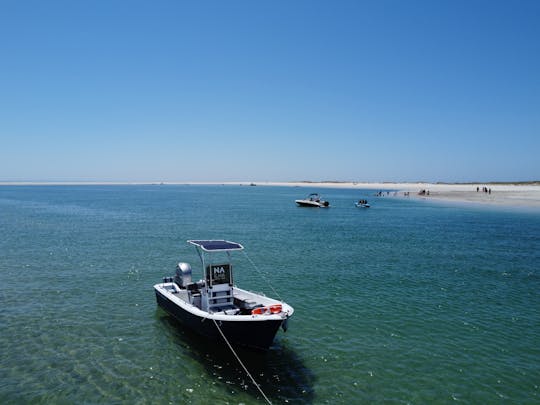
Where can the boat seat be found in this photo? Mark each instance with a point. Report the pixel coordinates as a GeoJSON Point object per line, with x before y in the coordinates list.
{"type": "Point", "coordinates": [193, 288]}
{"type": "Point", "coordinates": [245, 304]}
{"type": "Point", "coordinates": [227, 309]}
{"type": "Point", "coordinates": [232, 311]}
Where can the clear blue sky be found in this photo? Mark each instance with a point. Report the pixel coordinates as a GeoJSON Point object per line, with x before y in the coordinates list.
{"type": "Point", "coordinates": [270, 90]}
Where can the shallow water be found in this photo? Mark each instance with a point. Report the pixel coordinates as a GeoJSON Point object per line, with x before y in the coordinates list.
{"type": "Point", "coordinates": [406, 302]}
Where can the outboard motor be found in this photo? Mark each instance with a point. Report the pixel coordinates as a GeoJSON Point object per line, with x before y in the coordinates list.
{"type": "Point", "coordinates": [183, 274]}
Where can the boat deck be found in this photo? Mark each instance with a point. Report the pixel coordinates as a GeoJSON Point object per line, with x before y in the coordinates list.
{"type": "Point", "coordinates": [243, 302]}
{"type": "Point", "coordinates": [182, 294]}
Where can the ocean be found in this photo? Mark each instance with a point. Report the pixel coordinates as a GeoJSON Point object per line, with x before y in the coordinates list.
{"type": "Point", "coordinates": [409, 301]}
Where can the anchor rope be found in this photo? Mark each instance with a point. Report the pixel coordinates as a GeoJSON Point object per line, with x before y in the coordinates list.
{"type": "Point", "coordinates": [242, 364]}
{"type": "Point", "coordinates": [263, 276]}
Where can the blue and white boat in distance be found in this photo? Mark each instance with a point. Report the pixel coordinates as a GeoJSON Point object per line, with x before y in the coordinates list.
{"type": "Point", "coordinates": [362, 204]}
{"type": "Point", "coordinates": [214, 305]}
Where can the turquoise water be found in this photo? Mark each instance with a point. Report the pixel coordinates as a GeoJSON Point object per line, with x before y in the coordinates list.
{"type": "Point", "coordinates": [406, 302]}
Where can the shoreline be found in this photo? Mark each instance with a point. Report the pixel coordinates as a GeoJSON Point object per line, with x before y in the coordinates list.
{"type": "Point", "coordinates": [523, 194]}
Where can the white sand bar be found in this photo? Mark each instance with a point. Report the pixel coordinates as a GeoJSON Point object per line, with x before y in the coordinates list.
{"type": "Point", "coordinates": [527, 195]}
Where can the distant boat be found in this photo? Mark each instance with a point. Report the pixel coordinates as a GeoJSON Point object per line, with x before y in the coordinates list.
{"type": "Point", "coordinates": [362, 204]}
{"type": "Point", "coordinates": [313, 200]}
{"type": "Point", "coordinates": [214, 306]}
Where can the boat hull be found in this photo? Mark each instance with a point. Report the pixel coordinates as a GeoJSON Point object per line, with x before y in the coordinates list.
{"type": "Point", "coordinates": [256, 334]}
{"type": "Point", "coordinates": [305, 203]}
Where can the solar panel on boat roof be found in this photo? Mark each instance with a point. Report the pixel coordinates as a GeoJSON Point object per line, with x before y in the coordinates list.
{"type": "Point", "coordinates": [213, 245]}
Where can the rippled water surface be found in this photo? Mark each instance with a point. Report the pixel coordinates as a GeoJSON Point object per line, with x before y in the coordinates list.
{"type": "Point", "coordinates": [406, 302]}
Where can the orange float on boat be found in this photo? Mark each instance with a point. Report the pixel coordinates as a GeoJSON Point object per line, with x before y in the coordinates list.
{"type": "Point", "coordinates": [271, 309]}
{"type": "Point", "coordinates": [259, 311]}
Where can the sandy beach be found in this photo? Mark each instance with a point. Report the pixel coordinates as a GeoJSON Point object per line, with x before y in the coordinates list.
{"type": "Point", "coordinates": [517, 195]}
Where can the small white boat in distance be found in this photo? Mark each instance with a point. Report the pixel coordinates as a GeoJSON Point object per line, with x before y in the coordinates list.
{"type": "Point", "coordinates": [213, 305]}
{"type": "Point", "coordinates": [313, 200]}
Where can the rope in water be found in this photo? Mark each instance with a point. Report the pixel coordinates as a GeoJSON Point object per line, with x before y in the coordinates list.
{"type": "Point", "coordinates": [242, 364]}
{"type": "Point", "coordinates": [263, 276]}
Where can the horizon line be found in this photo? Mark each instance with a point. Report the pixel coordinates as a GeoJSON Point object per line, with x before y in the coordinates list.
{"type": "Point", "coordinates": [251, 182]}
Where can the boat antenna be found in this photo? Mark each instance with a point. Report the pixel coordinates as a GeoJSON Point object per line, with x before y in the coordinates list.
{"type": "Point", "coordinates": [263, 276]}
{"type": "Point", "coordinates": [242, 364]}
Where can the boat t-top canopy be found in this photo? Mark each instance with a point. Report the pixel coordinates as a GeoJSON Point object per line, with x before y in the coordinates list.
{"type": "Point", "coordinates": [216, 245]}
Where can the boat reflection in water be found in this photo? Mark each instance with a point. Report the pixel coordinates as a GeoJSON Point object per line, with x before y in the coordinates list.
{"type": "Point", "coordinates": [279, 371]}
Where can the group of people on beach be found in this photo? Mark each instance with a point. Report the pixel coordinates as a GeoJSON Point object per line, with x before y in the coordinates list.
{"type": "Point", "coordinates": [383, 193]}
{"type": "Point", "coordinates": [484, 190]}
{"type": "Point", "coordinates": [395, 193]}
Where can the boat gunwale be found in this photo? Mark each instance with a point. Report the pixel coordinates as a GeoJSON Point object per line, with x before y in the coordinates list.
{"type": "Point", "coordinates": [286, 313]}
